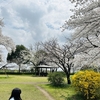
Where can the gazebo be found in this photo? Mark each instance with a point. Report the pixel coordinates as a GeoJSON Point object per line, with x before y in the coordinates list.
{"type": "Point", "coordinates": [43, 70]}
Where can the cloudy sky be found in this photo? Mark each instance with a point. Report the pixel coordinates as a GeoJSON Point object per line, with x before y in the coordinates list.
{"type": "Point", "coordinates": [30, 21]}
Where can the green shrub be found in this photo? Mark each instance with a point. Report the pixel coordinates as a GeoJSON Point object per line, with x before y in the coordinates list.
{"type": "Point", "coordinates": [56, 79]}
{"type": "Point", "coordinates": [87, 83]}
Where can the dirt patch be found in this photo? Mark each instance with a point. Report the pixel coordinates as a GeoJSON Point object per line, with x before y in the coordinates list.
{"type": "Point", "coordinates": [46, 94]}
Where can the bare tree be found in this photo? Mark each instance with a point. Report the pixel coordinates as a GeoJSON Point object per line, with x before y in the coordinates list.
{"type": "Point", "coordinates": [62, 56]}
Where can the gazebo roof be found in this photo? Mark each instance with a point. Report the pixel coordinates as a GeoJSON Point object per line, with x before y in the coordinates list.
{"type": "Point", "coordinates": [46, 66]}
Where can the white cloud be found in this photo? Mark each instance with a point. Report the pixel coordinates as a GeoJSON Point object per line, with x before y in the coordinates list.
{"type": "Point", "coordinates": [29, 21]}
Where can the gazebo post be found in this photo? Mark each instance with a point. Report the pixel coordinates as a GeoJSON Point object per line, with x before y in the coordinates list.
{"type": "Point", "coordinates": [46, 70]}
{"type": "Point", "coordinates": [50, 70]}
{"type": "Point", "coordinates": [56, 69]}
{"type": "Point", "coordinates": [41, 69]}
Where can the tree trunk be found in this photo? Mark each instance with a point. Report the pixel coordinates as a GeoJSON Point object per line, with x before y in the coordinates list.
{"type": "Point", "coordinates": [19, 67]}
{"type": "Point", "coordinates": [5, 71]}
{"type": "Point", "coordinates": [67, 72]}
{"type": "Point", "coordinates": [68, 79]}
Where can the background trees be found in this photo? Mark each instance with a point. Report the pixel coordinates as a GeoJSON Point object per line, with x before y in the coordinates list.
{"type": "Point", "coordinates": [34, 56]}
{"type": "Point", "coordinates": [15, 56]}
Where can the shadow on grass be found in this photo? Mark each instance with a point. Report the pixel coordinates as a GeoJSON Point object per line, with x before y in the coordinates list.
{"type": "Point", "coordinates": [78, 97]}
{"type": "Point", "coordinates": [5, 77]}
{"type": "Point", "coordinates": [68, 92]}
{"type": "Point", "coordinates": [74, 97]}
{"type": "Point", "coordinates": [58, 87]}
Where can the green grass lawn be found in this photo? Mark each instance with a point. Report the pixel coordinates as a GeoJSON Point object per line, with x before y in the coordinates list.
{"type": "Point", "coordinates": [29, 92]}
{"type": "Point", "coordinates": [62, 93]}
{"type": "Point", "coordinates": [25, 83]}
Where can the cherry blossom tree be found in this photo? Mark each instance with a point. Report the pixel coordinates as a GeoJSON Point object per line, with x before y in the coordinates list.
{"type": "Point", "coordinates": [85, 22]}
{"type": "Point", "coordinates": [34, 56]}
{"type": "Point", "coordinates": [6, 41]}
